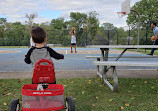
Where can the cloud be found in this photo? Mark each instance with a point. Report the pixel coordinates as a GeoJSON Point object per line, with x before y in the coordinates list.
{"type": "Point", "coordinates": [106, 9]}
{"type": "Point", "coordinates": [15, 10]}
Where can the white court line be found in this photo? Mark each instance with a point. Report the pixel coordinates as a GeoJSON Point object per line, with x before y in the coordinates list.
{"type": "Point", "coordinates": [11, 52]}
{"type": "Point", "coordinates": [73, 59]}
{"type": "Point", "coordinates": [66, 51]}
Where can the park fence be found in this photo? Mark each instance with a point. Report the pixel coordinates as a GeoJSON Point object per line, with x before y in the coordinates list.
{"type": "Point", "coordinates": [21, 37]}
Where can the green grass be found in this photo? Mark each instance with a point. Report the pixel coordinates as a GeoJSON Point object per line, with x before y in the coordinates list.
{"type": "Point", "coordinates": [91, 95]}
{"type": "Point", "coordinates": [145, 52]}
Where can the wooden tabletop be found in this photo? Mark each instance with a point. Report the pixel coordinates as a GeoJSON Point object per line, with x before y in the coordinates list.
{"type": "Point", "coordinates": [123, 46]}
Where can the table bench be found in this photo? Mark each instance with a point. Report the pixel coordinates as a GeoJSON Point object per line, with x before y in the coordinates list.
{"type": "Point", "coordinates": [105, 55]}
{"type": "Point", "coordinates": [123, 57]}
{"type": "Point", "coordinates": [113, 65]}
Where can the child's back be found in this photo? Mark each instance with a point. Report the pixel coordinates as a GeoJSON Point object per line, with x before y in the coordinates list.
{"type": "Point", "coordinates": [40, 51]}
{"type": "Point", "coordinates": [35, 54]}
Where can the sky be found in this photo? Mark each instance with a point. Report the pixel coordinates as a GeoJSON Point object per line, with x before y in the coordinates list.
{"type": "Point", "coordinates": [15, 10]}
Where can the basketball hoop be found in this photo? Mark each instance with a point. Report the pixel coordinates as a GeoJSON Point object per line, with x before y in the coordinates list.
{"type": "Point", "coordinates": [121, 14]}
{"type": "Point", "coordinates": [125, 9]}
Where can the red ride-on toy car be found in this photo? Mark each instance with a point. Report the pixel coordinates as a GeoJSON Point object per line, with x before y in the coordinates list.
{"type": "Point", "coordinates": [42, 95]}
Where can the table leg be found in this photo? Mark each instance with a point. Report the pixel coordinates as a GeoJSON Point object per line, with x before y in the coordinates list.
{"type": "Point", "coordinates": [113, 87]}
{"type": "Point", "coordinates": [105, 53]}
{"type": "Point", "coordinates": [115, 78]}
{"type": "Point", "coordinates": [121, 54]}
{"type": "Point", "coordinates": [98, 70]}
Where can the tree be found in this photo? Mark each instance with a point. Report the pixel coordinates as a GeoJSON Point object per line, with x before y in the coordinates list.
{"type": "Point", "coordinates": [122, 36]}
{"type": "Point", "coordinates": [148, 10]}
{"type": "Point", "coordinates": [57, 29]}
{"type": "Point", "coordinates": [87, 30]}
{"type": "Point", "coordinates": [2, 28]}
{"type": "Point", "coordinates": [30, 19]}
{"type": "Point", "coordinates": [108, 26]}
{"type": "Point", "coordinates": [110, 31]}
{"type": "Point", "coordinates": [16, 35]}
{"type": "Point", "coordinates": [93, 25]}
{"type": "Point", "coordinates": [58, 23]}
{"type": "Point", "coordinates": [78, 20]}
{"type": "Point", "coordinates": [3, 21]}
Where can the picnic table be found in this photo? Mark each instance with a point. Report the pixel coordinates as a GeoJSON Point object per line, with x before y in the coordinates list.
{"type": "Point", "coordinates": [104, 63]}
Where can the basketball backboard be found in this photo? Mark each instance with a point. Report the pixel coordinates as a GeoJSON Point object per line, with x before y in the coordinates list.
{"type": "Point", "coordinates": [125, 8]}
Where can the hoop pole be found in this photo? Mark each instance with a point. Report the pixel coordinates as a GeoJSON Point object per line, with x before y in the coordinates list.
{"type": "Point", "coordinates": [138, 27]}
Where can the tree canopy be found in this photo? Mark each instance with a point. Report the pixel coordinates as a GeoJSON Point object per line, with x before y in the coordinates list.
{"type": "Point", "coordinates": [88, 28]}
{"type": "Point", "coordinates": [148, 10]}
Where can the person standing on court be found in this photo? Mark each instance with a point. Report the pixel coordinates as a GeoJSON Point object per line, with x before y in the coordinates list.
{"type": "Point", "coordinates": [32, 44]}
{"type": "Point", "coordinates": [155, 30]}
{"type": "Point", "coordinates": [73, 39]}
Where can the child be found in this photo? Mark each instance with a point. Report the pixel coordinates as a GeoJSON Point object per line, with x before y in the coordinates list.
{"type": "Point", "coordinates": [73, 39]}
{"type": "Point", "coordinates": [40, 51]}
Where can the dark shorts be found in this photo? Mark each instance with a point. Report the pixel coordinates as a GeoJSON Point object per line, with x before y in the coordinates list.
{"type": "Point", "coordinates": [73, 43]}
{"type": "Point", "coordinates": [156, 42]}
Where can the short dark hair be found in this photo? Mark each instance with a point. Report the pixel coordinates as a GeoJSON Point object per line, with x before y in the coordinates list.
{"type": "Point", "coordinates": [154, 23]}
{"type": "Point", "coordinates": [38, 34]}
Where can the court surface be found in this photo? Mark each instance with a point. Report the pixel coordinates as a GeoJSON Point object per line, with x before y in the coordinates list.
{"type": "Point", "coordinates": [14, 61]}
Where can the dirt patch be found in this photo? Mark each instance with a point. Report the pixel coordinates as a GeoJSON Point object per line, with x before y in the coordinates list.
{"type": "Point", "coordinates": [59, 74]}
{"type": "Point", "coordinates": [83, 74]}
{"type": "Point", "coordinates": [8, 51]}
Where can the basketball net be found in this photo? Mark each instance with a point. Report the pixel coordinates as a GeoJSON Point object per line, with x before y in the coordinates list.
{"type": "Point", "coordinates": [121, 14]}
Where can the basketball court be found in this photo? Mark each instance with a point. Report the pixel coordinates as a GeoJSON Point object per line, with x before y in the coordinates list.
{"type": "Point", "coordinates": [73, 66]}
{"type": "Point", "coordinates": [12, 59]}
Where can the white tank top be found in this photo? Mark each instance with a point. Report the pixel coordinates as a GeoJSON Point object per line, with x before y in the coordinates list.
{"type": "Point", "coordinates": [31, 42]}
{"type": "Point", "coordinates": [73, 39]}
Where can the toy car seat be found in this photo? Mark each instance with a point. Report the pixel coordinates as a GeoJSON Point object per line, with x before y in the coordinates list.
{"type": "Point", "coordinates": [44, 73]}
